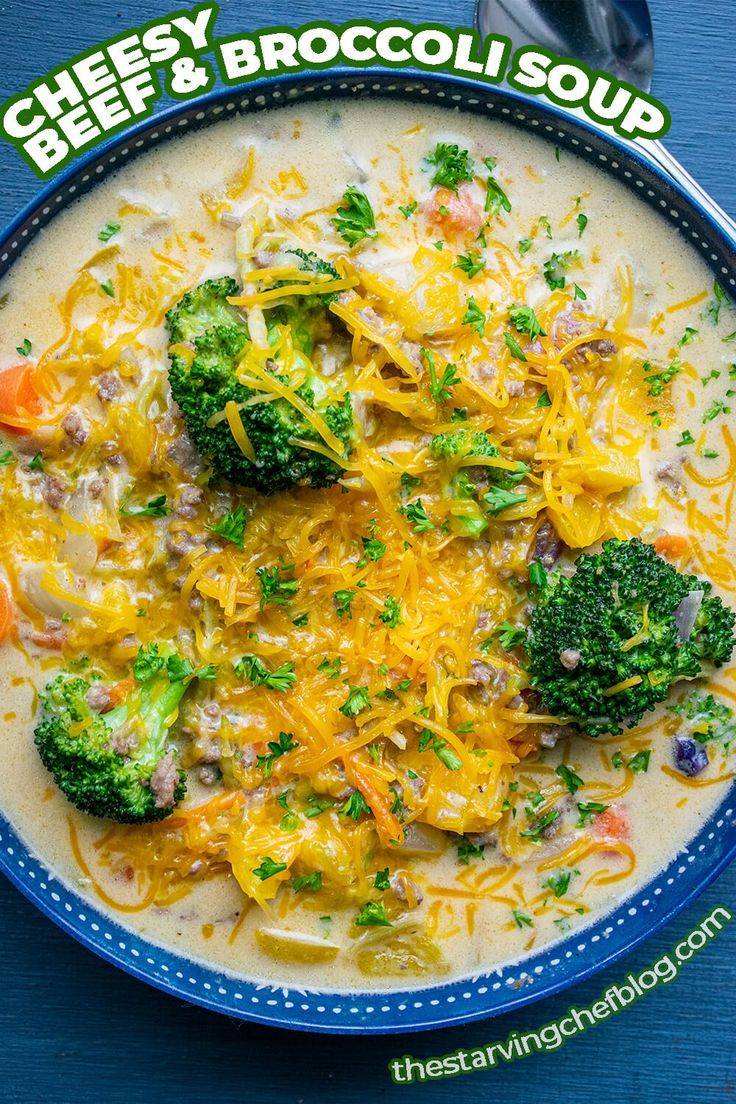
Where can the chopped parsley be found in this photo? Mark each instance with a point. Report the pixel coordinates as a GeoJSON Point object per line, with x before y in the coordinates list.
{"type": "Point", "coordinates": [582, 221]}
{"type": "Point", "coordinates": [467, 851]}
{"type": "Point", "coordinates": [381, 879]}
{"type": "Point", "coordinates": [429, 742]}
{"type": "Point", "coordinates": [544, 399]}
{"type": "Point", "coordinates": [391, 614]}
{"type": "Point", "coordinates": [499, 499]}
{"type": "Point", "coordinates": [231, 527]}
{"type": "Point", "coordinates": [6, 458]}
{"type": "Point", "coordinates": [496, 198]}
{"type": "Point", "coordinates": [416, 514]}
{"type": "Point", "coordinates": [372, 915]}
{"type": "Point", "coordinates": [525, 245]}
{"type": "Point", "coordinates": [343, 601]}
{"type": "Point", "coordinates": [275, 586]}
{"type": "Point", "coordinates": [525, 321]}
{"type": "Point", "coordinates": [579, 293]}
{"type": "Point", "coordinates": [108, 288]}
{"type": "Point", "coordinates": [556, 266]}
{"type": "Point", "coordinates": [470, 263]}
{"type": "Point", "coordinates": [356, 806]}
{"type": "Point", "coordinates": [514, 347]}
{"type": "Point", "coordinates": [330, 667]}
{"type": "Point", "coordinates": [639, 763]}
{"type": "Point", "coordinates": [440, 389]}
{"type": "Point", "coordinates": [276, 748]}
{"type": "Point", "coordinates": [713, 310]}
{"type": "Point", "coordinates": [268, 868]}
{"type": "Point", "coordinates": [535, 832]}
{"type": "Point", "coordinates": [657, 381]}
{"type": "Point", "coordinates": [572, 780]}
{"type": "Point", "coordinates": [686, 439]}
{"type": "Point", "coordinates": [25, 348]}
{"type": "Point", "coordinates": [474, 317]}
{"type": "Point", "coordinates": [408, 483]}
{"type": "Point", "coordinates": [522, 920]}
{"type": "Point", "coordinates": [587, 810]}
{"type": "Point", "coordinates": [36, 464]}
{"type": "Point", "coordinates": [357, 701]}
{"type": "Point", "coordinates": [255, 670]}
{"type": "Point", "coordinates": [688, 337]}
{"type": "Point", "coordinates": [156, 508]}
{"type": "Point", "coordinates": [311, 882]}
{"type": "Point", "coordinates": [452, 166]}
{"type": "Point", "coordinates": [373, 549]}
{"type": "Point", "coordinates": [409, 209]}
{"type": "Point", "coordinates": [355, 220]}
{"type": "Point", "coordinates": [559, 883]}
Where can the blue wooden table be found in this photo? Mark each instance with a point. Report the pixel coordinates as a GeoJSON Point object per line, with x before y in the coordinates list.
{"type": "Point", "coordinates": [73, 1030]}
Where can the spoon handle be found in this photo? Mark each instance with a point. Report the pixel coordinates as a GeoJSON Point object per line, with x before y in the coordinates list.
{"type": "Point", "coordinates": [659, 153]}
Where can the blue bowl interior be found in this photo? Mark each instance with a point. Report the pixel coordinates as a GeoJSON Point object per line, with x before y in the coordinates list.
{"type": "Point", "coordinates": [553, 968]}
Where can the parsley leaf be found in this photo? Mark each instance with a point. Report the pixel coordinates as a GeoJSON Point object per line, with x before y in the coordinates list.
{"type": "Point", "coordinates": [467, 851]}
{"type": "Point", "coordinates": [355, 220]}
{"type": "Point", "coordinates": [275, 587]}
{"type": "Point", "coordinates": [256, 671]}
{"type": "Point", "coordinates": [381, 879]}
{"type": "Point", "coordinates": [276, 748]}
{"type": "Point", "coordinates": [525, 321]}
{"type": "Point", "coordinates": [470, 263]}
{"type": "Point", "coordinates": [499, 499]}
{"type": "Point", "coordinates": [156, 508]}
{"type": "Point", "coordinates": [587, 810]}
{"type": "Point", "coordinates": [582, 221]}
{"type": "Point", "coordinates": [417, 515]}
{"type": "Point", "coordinates": [343, 600]}
{"type": "Point", "coordinates": [391, 615]}
{"type": "Point", "coordinates": [372, 915]}
{"type": "Point", "coordinates": [474, 317]}
{"type": "Point", "coordinates": [330, 667]}
{"type": "Point", "coordinates": [440, 390]}
{"type": "Point", "coordinates": [452, 166]}
{"type": "Point", "coordinates": [514, 347]}
{"type": "Point", "coordinates": [356, 806]}
{"type": "Point", "coordinates": [409, 209]}
{"type": "Point", "coordinates": [357, 701]}
{"type": "Point", "coordinates": [510, 636]}
{"type": "Point", "coordinates": [312, 882]}
{"type": "Point", "coordinates": [556, 266]}
{"type": "Point", "coordinates": [496, 198]}
{"type": "Point", "coordinates": [231, 527]}
{"type": "Point", "coordinates": [25, 348]}
{"type": "Point", "coordinates": [572, 780]}
{"type": "Point", "coordinates": [268, 868]}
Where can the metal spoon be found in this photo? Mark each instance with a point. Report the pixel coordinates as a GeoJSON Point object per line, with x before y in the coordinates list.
{"type": "Point", "coordinates": [613, 35]}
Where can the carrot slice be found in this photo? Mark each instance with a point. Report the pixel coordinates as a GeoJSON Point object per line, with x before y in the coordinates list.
{"type": "Point", "coordinates": [672, 546]}
{"type": "Point", "coordinates": [18, 396]}
{"type": "Point", "coordinates": [455, 212]}
{"type": "Point", "coordinates": [387, 825]}
{"type": "Point", "coordinates": [7, 617]}
{"type": "Point", "coordinates": [611, 824]}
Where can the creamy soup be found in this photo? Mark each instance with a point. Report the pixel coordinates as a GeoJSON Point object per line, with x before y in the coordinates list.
{"type": "Point", "coordinates": [449, 359]}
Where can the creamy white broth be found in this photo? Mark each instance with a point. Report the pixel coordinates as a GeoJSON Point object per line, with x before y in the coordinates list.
{"type": "Point", "coordinates": [380, 147]}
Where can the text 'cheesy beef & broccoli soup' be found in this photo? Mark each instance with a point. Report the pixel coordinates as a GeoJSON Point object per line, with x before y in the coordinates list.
{"type": "Point", "coordinates": [367, 570]}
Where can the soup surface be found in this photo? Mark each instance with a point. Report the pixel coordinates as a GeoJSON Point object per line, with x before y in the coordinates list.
{"type": "Point", "coordinates": [377, 794]}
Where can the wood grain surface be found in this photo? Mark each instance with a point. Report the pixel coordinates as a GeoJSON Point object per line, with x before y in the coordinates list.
{"type": "Point", "coordinates": [75, 1030]}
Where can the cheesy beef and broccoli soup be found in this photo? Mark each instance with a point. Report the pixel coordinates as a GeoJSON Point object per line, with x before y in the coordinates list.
{"type": "Point", "coordinates": [367, 560]}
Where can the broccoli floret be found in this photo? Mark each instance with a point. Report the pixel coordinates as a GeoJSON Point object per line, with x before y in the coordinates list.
{"type": "Point", "coordinates": [470, 518]}
{"type": "Point", "coordinates": [461, 443]}
{"type": "Point", "coordinates": [204, 383]}
{"type": "Point", "coordinates": [118, 764]}
{"type": "Point", "coordinates": [614, 623]}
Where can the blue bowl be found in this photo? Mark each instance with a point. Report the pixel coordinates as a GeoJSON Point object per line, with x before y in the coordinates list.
{"type": "Point", "coordinates": [547, 971]}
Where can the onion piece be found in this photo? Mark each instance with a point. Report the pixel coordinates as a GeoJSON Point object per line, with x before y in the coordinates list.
{"type": "Point", "coordinates": [687, 612]}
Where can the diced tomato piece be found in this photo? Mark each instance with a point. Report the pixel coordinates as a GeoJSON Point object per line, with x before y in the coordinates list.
{"type": "Point", "coordinates": [456, 212]}
{"type": "Point", "coordinates": [18, 396]}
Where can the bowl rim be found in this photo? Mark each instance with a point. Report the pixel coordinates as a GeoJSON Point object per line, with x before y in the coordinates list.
{"type": "Point", "coordinates": [60, 903]}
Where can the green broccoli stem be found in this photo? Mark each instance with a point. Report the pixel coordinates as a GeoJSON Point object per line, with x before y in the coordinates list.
{"type": "Point", "coordinates": [153, 706]}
